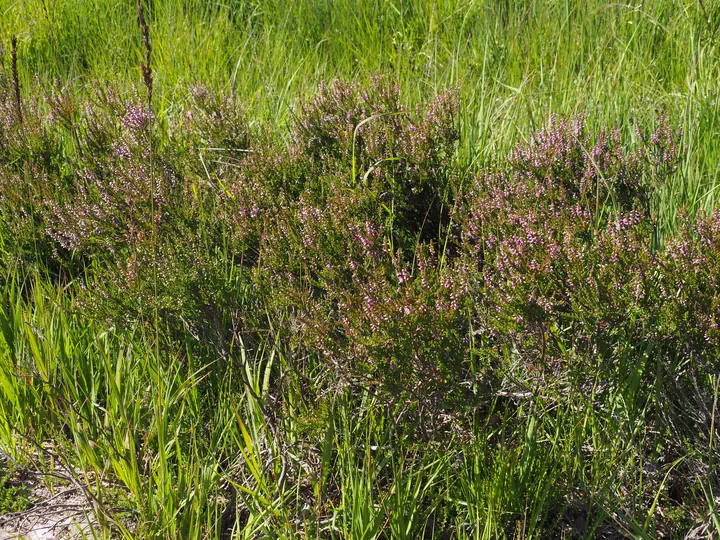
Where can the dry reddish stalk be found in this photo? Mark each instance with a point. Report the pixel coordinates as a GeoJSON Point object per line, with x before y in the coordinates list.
{"type": "Point", "coordinates": [145, 66]}
{"type": "Point", "coordinates": [16, 82]}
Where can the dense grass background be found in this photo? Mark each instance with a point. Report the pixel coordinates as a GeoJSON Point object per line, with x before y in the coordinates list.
{"type": "Point", "coordinates": [197, 447]}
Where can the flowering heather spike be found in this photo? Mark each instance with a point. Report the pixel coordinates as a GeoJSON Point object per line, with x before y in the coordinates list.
{"type": "Point", "coordinates": [16, 81]}
{"type": "Point", "coordinates": [137, 118]}
{"type": "Point", "coordinates": [145, 66]}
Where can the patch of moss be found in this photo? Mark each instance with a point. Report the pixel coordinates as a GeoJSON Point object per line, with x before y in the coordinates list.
{"type": "Point", "coordinates": [13, 497]}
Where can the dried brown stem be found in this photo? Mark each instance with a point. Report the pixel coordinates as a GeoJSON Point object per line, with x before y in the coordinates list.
{"type": "Point", "coordinates": [16, 80]}
{"type": "Point", "coordinates": [145, 66]}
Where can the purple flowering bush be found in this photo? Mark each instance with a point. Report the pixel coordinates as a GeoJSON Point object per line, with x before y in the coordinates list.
{"type": "Point", "coordinates": [689, 287]}
{"type": "Point", "coordinates": [125, 212]}
{"type": "Point", "coordinates": [116, 199]}
{"type": "Point", "coordinates": [404, 157]}
{"type": "Point", "coordinates": [344, 259]}
{"type": "Point", "coordinates": [376, 319]}
{"type": "Point", "coordinates": [352, 239]}
{"type": "Point", "coordinates": [31, 160]}
{"type": "Point", "coordinates": [560, 243]}
{"type": "Point", "coordinates": [215, 131]}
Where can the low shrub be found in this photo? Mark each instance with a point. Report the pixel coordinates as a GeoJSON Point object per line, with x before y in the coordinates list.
{"type": "Point", "coordinates": [355, 236]}
{"type": "Point", "coordinates": [561, 243]}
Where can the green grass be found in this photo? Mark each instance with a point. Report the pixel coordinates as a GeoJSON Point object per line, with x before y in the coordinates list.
{"type": "Point", "coordinates": [236, 446]}
{"type": "Point", "coordinates": [548, 463]}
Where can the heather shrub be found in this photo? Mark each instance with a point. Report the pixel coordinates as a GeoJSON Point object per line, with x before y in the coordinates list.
{"type": "Point", "coordinates": [405, 158]}
{"type": "Point", "coordinates": [215, 132]}
{"type": "Point", "coordinates": [24, 139]}
{"type": "Point", "coordinates": [107, 194]}
{"type": "Point", "coordinates": [345, 262]}
{"type": "Point", "coordinates": [596, 170]}
{"type": "Point", "coordinates": [219, 226]}
{"type": "Point", "coordinates": [612, 285]}
{"type": "Point", "coordinates": [120, 199]}
{"type": "Point", "coordinates": [689, 288]}
{"type": "Point", "coordinates": [62, 160]}
{"type": "Point", "coordinates": [32, 150]}
{"type": "Point", "coordinates": [140, 220]}
{"type": "Point", "coordinates": [376, 319]}
{"type": "Point", "coordinates": [408, 333]}
{"type": "Point", "coordinates": [254, 195]}
{"type": "Point", "coordinates": [560, 241]}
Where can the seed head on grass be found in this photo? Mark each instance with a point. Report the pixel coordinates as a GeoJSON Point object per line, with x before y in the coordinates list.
{"type": "Point", "coordinates": [16, 81]}
{"type": "Point", "coordinates": [145, 66]}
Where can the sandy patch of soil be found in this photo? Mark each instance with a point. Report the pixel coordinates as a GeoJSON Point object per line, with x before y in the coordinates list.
{"type": "Point", "coordinates": [61, 514]}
